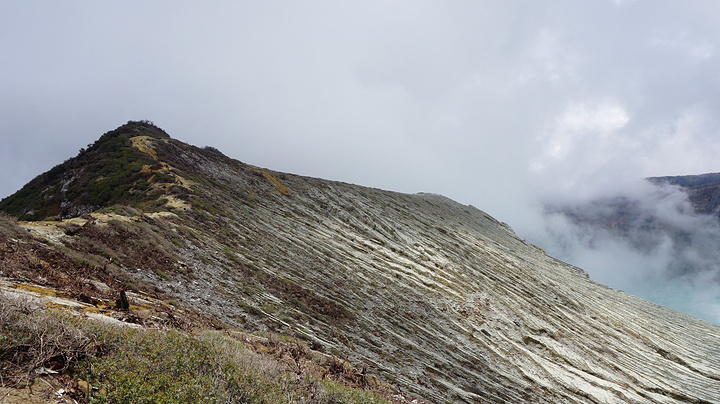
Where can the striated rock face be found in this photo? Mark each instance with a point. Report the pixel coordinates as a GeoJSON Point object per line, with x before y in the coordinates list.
{"type": "Point", "coordinates": [434, 296]}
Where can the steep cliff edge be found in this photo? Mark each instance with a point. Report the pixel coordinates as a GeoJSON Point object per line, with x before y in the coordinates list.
{"type": "Point", "coordinates": [703, 190]}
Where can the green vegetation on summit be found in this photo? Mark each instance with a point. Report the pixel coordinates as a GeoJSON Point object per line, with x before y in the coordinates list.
{"type": "Point", "coordinates": [110, 171]}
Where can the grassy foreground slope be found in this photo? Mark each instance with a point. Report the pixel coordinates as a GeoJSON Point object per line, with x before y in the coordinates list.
{"type": "Point", "coordinates": [114, 363]}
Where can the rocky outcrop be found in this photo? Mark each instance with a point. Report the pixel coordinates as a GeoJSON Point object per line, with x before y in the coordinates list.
{"type": "Point", "coordinates": [703, 190]}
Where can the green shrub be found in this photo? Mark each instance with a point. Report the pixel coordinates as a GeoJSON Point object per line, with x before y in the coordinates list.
{"type": "Point", "coordinates": [334, 392]}
{"type": "Point", "coordinates": [170, 367]}
{"type": "Point", "coordinates": [127, 365]}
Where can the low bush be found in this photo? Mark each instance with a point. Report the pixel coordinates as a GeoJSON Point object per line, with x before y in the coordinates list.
{"type": "Point", "coordinates": [32, 341]}
{"type": "Point", "coordinates": [150, 366]}
{"type": "Point", "coordinates": [118, 364]}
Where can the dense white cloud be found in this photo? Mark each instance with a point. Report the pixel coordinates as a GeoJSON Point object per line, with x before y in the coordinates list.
{"type": "Point", "coordinates": [502, 104]}
{"type": "Point", "coordinates": [645, 239]}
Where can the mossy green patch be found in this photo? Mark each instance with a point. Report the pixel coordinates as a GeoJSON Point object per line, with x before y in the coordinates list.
{"type": "Point", "coordinates": [108, 172]}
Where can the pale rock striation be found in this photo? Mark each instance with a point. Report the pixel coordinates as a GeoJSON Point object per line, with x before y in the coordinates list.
{"type": "Point", "coordinates": [439, 297]}
{"type": "Point", "coordinates": [434, 296]}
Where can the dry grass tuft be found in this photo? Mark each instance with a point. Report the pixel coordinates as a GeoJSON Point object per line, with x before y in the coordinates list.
{"type": "Point", "coordinates": [108, 363]}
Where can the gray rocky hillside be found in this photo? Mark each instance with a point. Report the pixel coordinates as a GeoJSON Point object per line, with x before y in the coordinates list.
{"type": "Point", "coordinates": [433, 296]}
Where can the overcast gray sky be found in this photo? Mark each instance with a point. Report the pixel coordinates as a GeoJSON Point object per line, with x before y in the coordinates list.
{"type": "Point", "coordinates": [498, 104]}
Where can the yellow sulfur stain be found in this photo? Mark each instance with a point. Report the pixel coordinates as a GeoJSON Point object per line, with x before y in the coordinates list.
{"type": "Point", "coordinates": [145, 145]}
{"type": "Point", "coordinates": [35, 289]}
{"type": "Point", "coordinates": [280, 187]}
{"type": "Point", "coordinates": [176, 203]}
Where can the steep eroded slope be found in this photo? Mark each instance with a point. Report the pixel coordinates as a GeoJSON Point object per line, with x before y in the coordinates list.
{"type": "Point", "coordinates": [435, 296]}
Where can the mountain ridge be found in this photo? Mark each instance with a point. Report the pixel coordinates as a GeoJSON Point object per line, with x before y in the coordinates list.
{"type": "Point", "coordinates": [433, 296]}
{"type": "Point", "coordinates": [703, 190]}
{"type": "Point", "coordinates": [98, 175]}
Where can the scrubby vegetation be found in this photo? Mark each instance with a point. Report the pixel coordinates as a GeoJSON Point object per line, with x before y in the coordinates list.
{"type": "Point", "coordinates": [109, 171]}
{"type": "Point", "coordinates": [106, 363]}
